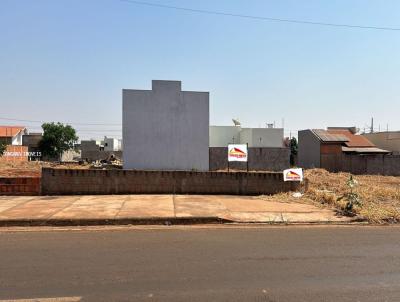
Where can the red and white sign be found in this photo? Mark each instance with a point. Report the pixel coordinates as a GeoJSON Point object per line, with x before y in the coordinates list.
{"type": "Point", "coordinates": [293, 174]}
{"type": "Point", "coordinates": [237, 153]}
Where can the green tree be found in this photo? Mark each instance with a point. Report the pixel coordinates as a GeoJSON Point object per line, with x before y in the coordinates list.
{"type": "Point", "coordinates": [3, 147]}
{"type": "Point", "coordinates": [293, 150]}
{"type": "Point", "coordinates": [57, 138]}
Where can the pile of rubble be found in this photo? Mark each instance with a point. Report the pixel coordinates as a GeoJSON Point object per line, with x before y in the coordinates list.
{"type": "Point", "coordinates": [111, 162]}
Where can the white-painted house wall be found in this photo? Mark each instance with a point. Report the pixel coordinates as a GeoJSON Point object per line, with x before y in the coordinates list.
{"type": "Point", "coordinates": [111, 144]}
{"type": "Point", "coordinates": [17, 139]}
{"type": "Point", "coordinates": [245, 136]}
{"type": "Point", "coordinates": [266, 137]}
{"type": "Point", "coordinates": [221, 136]}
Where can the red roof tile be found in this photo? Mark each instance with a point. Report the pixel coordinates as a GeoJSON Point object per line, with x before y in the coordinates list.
{"type": "Point", "coordinates": [10, 131]}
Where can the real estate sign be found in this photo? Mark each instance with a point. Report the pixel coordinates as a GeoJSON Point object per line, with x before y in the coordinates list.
{"type": "Point", "coordinates": [293, 174]}
{"type": "Point", "coordinates": [237, 152]}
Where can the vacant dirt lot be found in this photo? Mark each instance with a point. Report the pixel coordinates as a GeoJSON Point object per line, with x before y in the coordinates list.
{"type": "Point", "coordinates": [31, 169]}
{"type": "Point", "coordinates": [379, 195]}
{"type": "Point", "coordinates": [15, 169]}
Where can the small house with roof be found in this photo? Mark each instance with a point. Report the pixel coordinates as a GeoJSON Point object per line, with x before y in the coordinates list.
{"type": "Point", "coordinates": [12, 137]}
{"type": "Point", "coordinates": [319, 148]}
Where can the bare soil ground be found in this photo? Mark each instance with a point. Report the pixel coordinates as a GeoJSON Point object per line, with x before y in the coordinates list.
{"type": "Point", "coordinates": [32, 169]}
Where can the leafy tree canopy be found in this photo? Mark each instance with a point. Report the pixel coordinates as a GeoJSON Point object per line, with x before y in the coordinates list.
{"type": "Point", "coordinates": [57, 138]}
{"type": "Point", "coordinates": [293, 150]}
{"type": "Point", "coordinates": [293, 145]}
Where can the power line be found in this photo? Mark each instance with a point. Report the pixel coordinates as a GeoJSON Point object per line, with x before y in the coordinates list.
{"type": "Point", "coordinates": [220, 13]}
{"type": "Point", "coordinates": [73, 123]}
{"type": "Point", "coordinates": [89, 131]}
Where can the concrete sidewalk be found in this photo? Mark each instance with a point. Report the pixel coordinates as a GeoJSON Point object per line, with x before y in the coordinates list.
{"type": "Point", "coordinates": [156, 209]}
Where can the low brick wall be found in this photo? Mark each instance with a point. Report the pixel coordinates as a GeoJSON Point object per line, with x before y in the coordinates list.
{"type": "Point", "coordinates": [70, 182]}
{"type": "Point", "coordinates": [19, 186]}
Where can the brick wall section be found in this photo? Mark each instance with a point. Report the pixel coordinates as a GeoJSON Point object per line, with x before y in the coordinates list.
{"type": "Point", "coordinates": [260, 159]}
{"type": "Point", "coordinates": [19, 186]}
{"type": "Point", "coordinates": [69, 182]}
{"type": "Point", "coordinates": [15, 153]}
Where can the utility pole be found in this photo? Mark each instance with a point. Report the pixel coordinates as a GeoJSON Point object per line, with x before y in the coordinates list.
{"type": "Point", "coordinates": [372, 125]}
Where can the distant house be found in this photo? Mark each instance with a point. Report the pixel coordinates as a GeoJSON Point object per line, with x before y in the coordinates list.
{"type": "Point", "coordinates": [267, 148]}
{"type": "Point", "coordinates": [92, 150]}
{"type": "Point", "coordinates": [112, 144]}
{"type": "Point", "coordinates": [32, 140]}
{"type": "Point", "coordinates": [12, 137]}
{"type": "Point", "coordinates": [328, 149]}
{"type": "Point", "coordinates": [221, 136]}
{"type": "Point", "coordinates": [389, 140]}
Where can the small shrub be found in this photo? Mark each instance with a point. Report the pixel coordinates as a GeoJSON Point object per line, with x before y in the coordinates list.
{"type": "Point", "coordinates": [352, 198]}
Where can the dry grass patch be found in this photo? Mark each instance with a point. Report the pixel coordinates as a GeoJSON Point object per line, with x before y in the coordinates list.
{"type": "Point", "coordinates": [20, 169]}
{"type": "Point", "coordinates": [379, 195]}
{"type": "Point", "coordinates": [32, 168]}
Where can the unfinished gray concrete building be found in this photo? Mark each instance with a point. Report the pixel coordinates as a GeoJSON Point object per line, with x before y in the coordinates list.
{"type": "Point", "coordinates": [165, 128]}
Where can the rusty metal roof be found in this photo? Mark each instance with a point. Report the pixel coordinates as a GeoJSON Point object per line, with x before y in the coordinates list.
{"type": "Point", "coordinates": [353, 140]}
{"type": "Point", "coordinates": [325, 136]}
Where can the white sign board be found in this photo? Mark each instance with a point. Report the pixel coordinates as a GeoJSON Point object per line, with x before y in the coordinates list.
{"type": "Point", "coordinates": [293, 174]}
{"type": "Point", "coordinates": [237, 153]}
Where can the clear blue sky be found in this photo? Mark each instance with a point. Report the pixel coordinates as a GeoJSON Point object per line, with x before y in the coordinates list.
{"type": "Point", "coordinates": [68, 60]}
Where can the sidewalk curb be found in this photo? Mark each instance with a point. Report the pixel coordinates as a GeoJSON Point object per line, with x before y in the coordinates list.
{"type": "Point", "coordinates": [160, 221]}
{"type": "Point", "coordinates": [118, 221]}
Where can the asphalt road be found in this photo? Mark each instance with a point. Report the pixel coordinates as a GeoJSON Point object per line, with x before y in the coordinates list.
{"type": "Point", "coordinates": [203, 264]}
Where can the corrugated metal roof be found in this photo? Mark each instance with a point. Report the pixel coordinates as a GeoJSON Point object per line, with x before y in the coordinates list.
{"type": "Point", "coordinates": [353, 140]}
{"type": "Point", "coordinates": [325, 136]}
{"type": "Point", "coordinates": [364, 150]}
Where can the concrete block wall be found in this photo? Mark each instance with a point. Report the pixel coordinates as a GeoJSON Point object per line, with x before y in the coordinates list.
{"type": "Point", "coordinates": [378, 164]}
{"type": "Point", "coordinates": [70, 182]}
{"type": "Point", "coordinates": [391, 165]}
{"type": "Point", "coordinates": [165, 128]}
{"type": "Point", "coordinates": [19, 186]}
{"type": "Point", "coordinates": [260, 159]}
